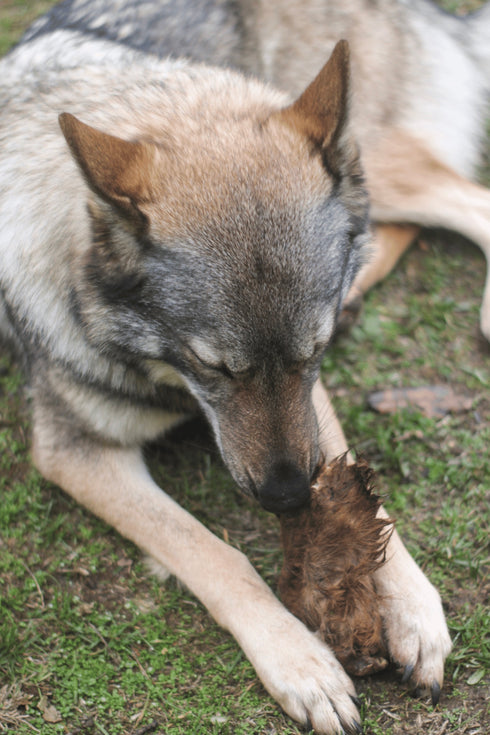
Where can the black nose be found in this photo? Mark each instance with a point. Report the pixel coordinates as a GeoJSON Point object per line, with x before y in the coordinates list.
{"type": "Point", "coordinates": [285, 489]}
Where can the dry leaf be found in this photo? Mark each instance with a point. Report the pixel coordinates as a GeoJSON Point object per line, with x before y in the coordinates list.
{"type": "Point", "coordinates": [434, 401]}
{"type": "Point", "coordinates": [49, 712]}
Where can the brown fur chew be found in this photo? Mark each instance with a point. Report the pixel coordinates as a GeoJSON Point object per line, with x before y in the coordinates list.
{"type": "Point", "coordinates": [331, 549]}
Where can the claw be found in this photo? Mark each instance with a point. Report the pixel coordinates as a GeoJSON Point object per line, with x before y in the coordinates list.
{"type": "Point", "coordinates": [356, 701]}
{"type": "Point", "coordinates": [352, 727]}
{"type": "Point", "coordinates": [407, 673]}
{"type": "Point", "coordinates": [435, 692]}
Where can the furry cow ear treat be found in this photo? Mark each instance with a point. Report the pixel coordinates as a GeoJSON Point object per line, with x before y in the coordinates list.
{"type": "Point", "coordinates": [332, 547]}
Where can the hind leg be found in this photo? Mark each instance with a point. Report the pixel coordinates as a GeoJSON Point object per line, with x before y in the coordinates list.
{"type": "Point", "coordinates": [408, 183]}
{"type": "Point", "coordinates": [389, 244]}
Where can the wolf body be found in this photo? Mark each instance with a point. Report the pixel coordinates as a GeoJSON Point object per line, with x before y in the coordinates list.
{"type": "Point", "coordinates": [186, 240]}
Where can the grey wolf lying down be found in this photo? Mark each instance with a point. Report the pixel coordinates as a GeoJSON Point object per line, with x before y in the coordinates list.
{"type": "Point", "coordinates": [188, 243]}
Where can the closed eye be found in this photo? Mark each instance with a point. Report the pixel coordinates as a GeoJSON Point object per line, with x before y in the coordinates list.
{"type": "Point", "coordinates": [220, 366]}
{"type": "Point", "coordinates": [312, 359]}
{"type": "Point", "coordinates": [205, 361]}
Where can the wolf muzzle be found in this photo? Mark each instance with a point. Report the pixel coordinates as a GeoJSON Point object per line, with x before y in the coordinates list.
{"type": "Point", "coordinates": [286, 488]}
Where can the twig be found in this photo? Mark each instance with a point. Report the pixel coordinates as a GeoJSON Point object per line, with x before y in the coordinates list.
{"type": "Point", "coordinates": [85, 724]}
{"type": "Point", "coordinates": [146, 728]}
{"type": "Point", "coordinates": [35, 582]}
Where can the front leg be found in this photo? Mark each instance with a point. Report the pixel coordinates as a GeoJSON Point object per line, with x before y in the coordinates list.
{"type": "Point", "coordinates": [413, 618]}
{"type": "Point", "coordinates": [298, 670]}
{"type": "Point", "coordinates": [414, 623]}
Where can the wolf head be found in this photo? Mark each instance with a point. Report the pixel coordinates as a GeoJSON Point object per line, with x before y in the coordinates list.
{"type": "Point", "coordinates": [225, 250]}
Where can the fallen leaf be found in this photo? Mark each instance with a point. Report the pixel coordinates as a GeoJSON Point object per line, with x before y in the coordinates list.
{"type": "Point", "coordinates": [433, 401]}
{"type": "Point", "coordinates": [49, 712]}
{"type": "Point", "coordinates": [476, 677]}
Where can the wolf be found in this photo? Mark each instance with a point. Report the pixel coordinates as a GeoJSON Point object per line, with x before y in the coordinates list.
{"type": "Point", "coordinates": [179, 237]}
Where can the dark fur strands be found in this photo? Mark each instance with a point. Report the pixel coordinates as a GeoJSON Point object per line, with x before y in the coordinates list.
{"type": "Point", "coordinates": [113, 262]}
{"type": "Point", "coordinates": [202, 30]}
{"type": "Point", "coordinates": [331, 550]}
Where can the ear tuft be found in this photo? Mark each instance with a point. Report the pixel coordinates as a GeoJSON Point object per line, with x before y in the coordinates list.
{"type": "Point", "coordinates": [321, 114]}
{"type": "Point", "coordinates": [117, 170]}
{"type": "Point", "coordinates": [321, 111]}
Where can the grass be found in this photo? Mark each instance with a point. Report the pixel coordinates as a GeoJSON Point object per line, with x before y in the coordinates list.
{"type": "Point", "coordinates": [90, 643]}
{"type": "Point", "coordinates": [15, 16]}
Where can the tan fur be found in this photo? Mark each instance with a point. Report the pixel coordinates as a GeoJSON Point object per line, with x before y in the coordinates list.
{"type": "Point", "coordinates": [148, 183]}
{"type": "Point", "coordinates": [319, 112]}
{"type": "Point", "coordinates": [117, 169]}
{"type": "Point", "coordinates": [115, 485]}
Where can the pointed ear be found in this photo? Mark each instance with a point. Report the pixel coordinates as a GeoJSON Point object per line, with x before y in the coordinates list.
{"type": "Point", "coordinates": [321, 111]}
{"type": "Point", "coordinates": [117, 170]}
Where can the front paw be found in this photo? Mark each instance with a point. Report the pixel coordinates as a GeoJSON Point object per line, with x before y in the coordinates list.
{"type": "Point", "coordinates": [305, 678]}
{"type": "Point", "coordinates": [415, 628]}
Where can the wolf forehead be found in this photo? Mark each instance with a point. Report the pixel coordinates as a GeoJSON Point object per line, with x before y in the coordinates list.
{"type": "Point", "coordinates": [272, 274]}
{"type": "Point", "coordinates": [226, 175]}
{"type": "Point", "coordinates": [259, 227]}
